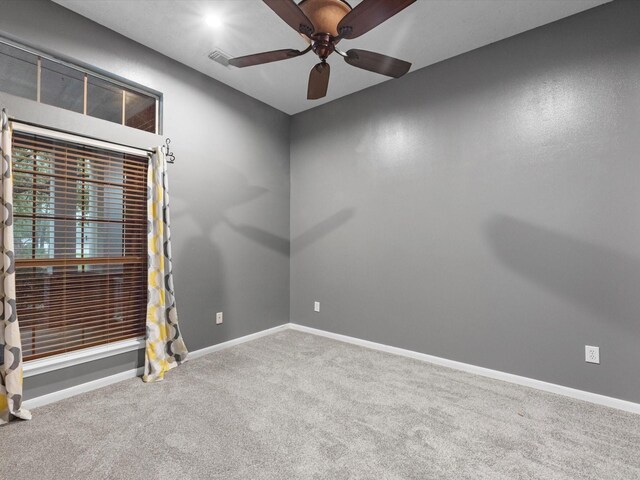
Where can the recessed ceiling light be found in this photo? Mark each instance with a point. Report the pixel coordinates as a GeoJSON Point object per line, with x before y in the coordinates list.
{"type": "Point", "coordinates": [214, 20]}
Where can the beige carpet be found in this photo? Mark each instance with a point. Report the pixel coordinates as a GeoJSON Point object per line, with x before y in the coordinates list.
{"type": "Point", "coordinates": [297, 406]}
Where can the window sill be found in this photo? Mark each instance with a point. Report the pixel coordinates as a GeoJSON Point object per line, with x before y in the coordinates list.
{"type": "Point", "coordinates": [56, 362]}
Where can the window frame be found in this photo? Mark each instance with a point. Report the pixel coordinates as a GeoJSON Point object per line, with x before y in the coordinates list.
{"type": "Point", "coordinates": [75, 357]}
{"type": "Point", "coordinates": [39, 366]}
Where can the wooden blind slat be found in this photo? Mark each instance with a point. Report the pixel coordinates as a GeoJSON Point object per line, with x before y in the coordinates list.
{"type": "Point", "coordinates": [30, 163]}
{"type": "Point", "coordinates": [79, 294]}
{"type": "Point", "coordinates": [93, 328]}
{"type": "Point", "coordinates": [95, 321]}
{"type": "Point", "coordinates": [42, 144]}
{"type": "Point", "coordinates": [75, 337]}
{"type": "Point", "coordinates": [64, 175]}
{"type": "Point", "coordinates": [44, 156]}
{"type": "Point", "coordinates": [52, 262]}
{"type": "Point", "coordinates": [80, 240]}
{"type": "Point", "coordinates": [71, 346]}
{"type": "Point", "coordinates": [53, 310]}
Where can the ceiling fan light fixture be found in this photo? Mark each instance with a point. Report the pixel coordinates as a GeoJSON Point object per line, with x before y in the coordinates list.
{"type": "Point", "coordinates": [325, 14]}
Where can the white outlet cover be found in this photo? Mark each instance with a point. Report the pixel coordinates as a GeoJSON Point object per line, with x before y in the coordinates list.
{"type": "Point", "coordinates": [592, 354]}
{"type": "Point", "coordinates": [316, 306]}
{"type": "Point", "coordinates": [218, 318]}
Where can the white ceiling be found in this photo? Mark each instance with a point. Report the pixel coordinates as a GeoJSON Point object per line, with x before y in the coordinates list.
{"type": "Point", "coordinates": [424, 33]}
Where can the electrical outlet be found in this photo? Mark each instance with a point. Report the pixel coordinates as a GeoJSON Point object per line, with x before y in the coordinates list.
{"type": "Point", "coordinates": [591, 354]}
{"type": "Point", "coordinates": [218, 318]}
{"type": "Point", "coordinates": [316, 306]}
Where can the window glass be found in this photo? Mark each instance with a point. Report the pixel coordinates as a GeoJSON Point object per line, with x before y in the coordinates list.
{"type": "Point", "coordinates": [18, 72]}
{"type": "Point", "coordinates": [140, 111]}
{"type": "Point", "coordinates": [61, 86]}
{"type": "Point", "coordinates": [104, 100]}
{"type": "Point", "coordinates": [33, 203]}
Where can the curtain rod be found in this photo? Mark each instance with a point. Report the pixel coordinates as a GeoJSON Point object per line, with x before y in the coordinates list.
{"type": "Point", "coordinates": [169, 156]}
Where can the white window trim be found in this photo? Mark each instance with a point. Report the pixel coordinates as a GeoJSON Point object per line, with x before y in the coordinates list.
{"type": "Point", "coordinates": [64, 360]}
{"type": "Point", "coordinates": [68, 137]}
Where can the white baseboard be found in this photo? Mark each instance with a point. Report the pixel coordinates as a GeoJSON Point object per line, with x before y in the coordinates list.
{"type": "Point", "coordinates": [238, 341]}
{"type": "Point", "coordinates": [485, 372]}
{"type": "Point", "coordinates": [137, 372]}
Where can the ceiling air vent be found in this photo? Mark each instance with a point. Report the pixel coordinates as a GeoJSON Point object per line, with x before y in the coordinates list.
{"type": "Point", "coordinates": [220, 57]}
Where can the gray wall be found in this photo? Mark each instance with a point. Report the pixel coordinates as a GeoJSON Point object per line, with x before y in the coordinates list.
{"type": "Point", "coordinates": [485, 209]}
{"type": "Point", "coordinates": [229, 186]}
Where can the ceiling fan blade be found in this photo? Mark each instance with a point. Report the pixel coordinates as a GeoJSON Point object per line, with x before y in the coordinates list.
{"type": "Point", "coordinates": [266, 57]}
{"type": "Point", "coordinates": [318, 81]}
{"type": "Point", "coordinates": [289, 11]}
{"type": "Point", "coordinates": [369, 14]}
{"type": "Point", "coordinates": [376, 62]}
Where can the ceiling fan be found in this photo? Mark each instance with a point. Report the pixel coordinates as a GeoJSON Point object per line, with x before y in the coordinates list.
{"type": "Point", "coordinates": [323, 23]}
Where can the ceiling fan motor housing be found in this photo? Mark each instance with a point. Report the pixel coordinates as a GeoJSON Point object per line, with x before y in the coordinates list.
{"type": "Point", "coordinates": [325, 16]}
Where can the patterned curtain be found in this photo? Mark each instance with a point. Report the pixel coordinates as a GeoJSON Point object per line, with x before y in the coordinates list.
{"type": "Point", "coordinates": [10, 345]}
{"type": "Point", "coordinates": [165, 347]}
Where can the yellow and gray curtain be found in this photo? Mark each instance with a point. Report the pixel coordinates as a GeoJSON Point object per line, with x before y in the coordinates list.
{"type": "Point", "coordinates": [10, 345]}
{"type": "Point", "coordinates": [165, 348]}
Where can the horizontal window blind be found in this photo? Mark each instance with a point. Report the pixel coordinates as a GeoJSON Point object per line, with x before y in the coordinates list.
{"type": "Point", "coordinates": [80, 234]}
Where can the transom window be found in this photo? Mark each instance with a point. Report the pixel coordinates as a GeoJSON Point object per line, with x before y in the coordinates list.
{"type": "Point", "coordinates": [46, 80]}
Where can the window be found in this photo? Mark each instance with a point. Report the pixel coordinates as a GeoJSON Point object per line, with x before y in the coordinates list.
{"type": "Point", "coordinates": [61, 86]}
{"type": "Point", "coordinates": [139, 111]}
{"type": "Point", "coordinates": [31, 75]}
{"type": "Point", "coordinates": [80, 228]}
{"type": "Point", "coordinates": [104, 100]}
{"type": "Point", "coordinates": [18, 72]}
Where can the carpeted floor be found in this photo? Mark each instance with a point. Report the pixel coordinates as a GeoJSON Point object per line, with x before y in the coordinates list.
{"type": "Point", "coordinates": [298, 406]}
